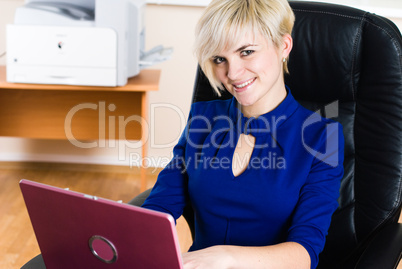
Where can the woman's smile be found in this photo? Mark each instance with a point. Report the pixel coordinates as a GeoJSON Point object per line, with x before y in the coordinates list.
{"type": "Point", "coordinates": [243, 86]}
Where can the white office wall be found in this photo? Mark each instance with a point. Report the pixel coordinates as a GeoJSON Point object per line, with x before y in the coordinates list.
{"type": "Point", "coordinates": [398, 22]}
{"type": "Point", "coordinates": [169, 25]}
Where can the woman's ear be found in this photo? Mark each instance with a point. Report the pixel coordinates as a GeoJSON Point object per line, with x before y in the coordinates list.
{"type": "Point", "coordinates": [287, 45]}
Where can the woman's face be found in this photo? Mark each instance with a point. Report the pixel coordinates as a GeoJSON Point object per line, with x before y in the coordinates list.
{"type": "Point", "coordinates": [252, 71]}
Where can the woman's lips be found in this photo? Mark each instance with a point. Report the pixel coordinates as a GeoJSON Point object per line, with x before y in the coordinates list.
{"type": "Point", "coordinates": [244, 85]}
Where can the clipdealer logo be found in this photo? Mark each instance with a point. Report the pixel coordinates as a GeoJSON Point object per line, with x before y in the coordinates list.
{"type": "Point", "coordinates": [330, 155]}
{"type": "Point", "coordinates": [114, 127]}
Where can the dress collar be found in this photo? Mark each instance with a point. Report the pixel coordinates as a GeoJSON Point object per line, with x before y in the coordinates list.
{"type": "Point", "coordinates": [266, 123]}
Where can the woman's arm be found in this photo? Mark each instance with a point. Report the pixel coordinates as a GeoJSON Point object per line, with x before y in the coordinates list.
{"type": "Point", "coordinates": [283, 255]}
{"type": "Point", "coordinates": [169, 194]}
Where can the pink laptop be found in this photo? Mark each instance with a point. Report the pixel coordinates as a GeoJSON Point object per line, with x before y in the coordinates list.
{"type": "Point", "coordinates": [76, 230]}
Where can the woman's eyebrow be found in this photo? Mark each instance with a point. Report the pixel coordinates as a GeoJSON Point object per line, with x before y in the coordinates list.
{"type": "Point", "coordinates": [245, 47]}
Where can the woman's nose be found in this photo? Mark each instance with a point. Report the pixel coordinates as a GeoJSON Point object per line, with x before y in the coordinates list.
{"type": "Point", "coordinates": [235, 70]}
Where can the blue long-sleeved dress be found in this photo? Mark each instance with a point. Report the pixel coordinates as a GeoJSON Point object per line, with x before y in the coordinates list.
{"type": "Point", "coordinates": [288, 191]}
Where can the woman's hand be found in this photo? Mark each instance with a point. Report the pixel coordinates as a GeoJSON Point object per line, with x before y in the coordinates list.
{"type": "Point", "coordinates": [284, 255]}
{"type": "Point", "coordinates": [216, 257]}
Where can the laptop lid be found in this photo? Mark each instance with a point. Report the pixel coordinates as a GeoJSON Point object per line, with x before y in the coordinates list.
{"type": "Point", "coordinates": [76, 230]}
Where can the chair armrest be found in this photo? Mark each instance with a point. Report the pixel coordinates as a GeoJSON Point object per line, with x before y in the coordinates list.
{"type": "Point", "coordinates": [35, 263]}
{"type": "Point", "coordinates": [384, 250]}
{"type": "Point", "coordinates": [140, 198]}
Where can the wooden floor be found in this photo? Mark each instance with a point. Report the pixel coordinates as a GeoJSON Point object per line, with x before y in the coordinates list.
{"type": "Point", "coordinates": [17, 240]}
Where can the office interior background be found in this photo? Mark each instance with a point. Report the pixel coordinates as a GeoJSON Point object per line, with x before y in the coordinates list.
{"type": "Point", "coordinates": [169, 23]}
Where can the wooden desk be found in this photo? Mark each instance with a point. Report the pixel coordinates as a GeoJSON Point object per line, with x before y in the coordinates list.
{"type": "Point", "coordinates": [78, 113]}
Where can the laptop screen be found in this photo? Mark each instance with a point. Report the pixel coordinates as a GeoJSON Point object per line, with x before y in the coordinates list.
{"type": "Point", "coordinates": [76, 230]}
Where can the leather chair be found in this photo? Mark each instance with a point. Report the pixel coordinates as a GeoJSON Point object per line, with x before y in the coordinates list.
{"type": "Point", "coordinates": [354, 58]}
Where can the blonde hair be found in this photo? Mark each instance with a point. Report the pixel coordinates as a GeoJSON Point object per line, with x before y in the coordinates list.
{"type": "Point", "coordinates": [225, 22]}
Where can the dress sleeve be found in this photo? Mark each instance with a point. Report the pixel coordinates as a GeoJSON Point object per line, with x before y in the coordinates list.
{"type": "Point", "coordinates": [170, 193]}
{"type": "Point", "coordinates": [318, 196]}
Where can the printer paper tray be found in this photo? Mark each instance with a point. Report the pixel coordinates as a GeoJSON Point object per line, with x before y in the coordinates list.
{"type": "Point", "coordinates": [62, 75]}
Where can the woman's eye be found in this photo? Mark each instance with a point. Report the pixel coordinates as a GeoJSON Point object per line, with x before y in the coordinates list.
{"type": "Point", "coordinates": [246, 52]}
{"type": "Point", "coordinates": [218, 60]}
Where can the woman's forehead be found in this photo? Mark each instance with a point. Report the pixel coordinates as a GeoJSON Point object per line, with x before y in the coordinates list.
{"type": "Point", "coordinates": [242, 41]}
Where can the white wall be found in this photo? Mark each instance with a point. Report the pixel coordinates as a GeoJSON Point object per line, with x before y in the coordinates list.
{"type": "Point", "coordinates": [169, 25]}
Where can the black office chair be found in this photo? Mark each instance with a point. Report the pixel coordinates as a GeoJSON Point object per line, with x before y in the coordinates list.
{"type": "Point", "coordinates": [355, 58]}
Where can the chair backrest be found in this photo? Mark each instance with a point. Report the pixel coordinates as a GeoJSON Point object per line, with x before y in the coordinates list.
{"type": "Point", "coordinates": [352, 58]}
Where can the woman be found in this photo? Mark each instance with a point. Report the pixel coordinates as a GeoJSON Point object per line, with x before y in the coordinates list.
{"type": "Point", "coordinates": [261, 172]}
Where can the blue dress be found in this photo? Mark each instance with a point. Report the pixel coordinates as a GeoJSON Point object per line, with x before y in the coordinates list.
{"type": "Point", "coordinates": [287, 193]}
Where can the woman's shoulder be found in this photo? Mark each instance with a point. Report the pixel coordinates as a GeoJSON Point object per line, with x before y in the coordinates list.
{"type": "Point", "coordinates": [309, 117]}
{"type": "Point", "coordinates": [317, 130]}
{"type": "Point", "coordinates": [211, 108]}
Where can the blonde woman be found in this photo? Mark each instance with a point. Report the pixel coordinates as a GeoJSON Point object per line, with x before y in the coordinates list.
{"type": "Point", "coordinates": [261, 172]}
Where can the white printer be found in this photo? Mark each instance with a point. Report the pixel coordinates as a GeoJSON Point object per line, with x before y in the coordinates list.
{"type": "Point", "coordinates": [79, 42]}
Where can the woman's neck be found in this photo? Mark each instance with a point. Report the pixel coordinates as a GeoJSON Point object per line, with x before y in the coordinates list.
{"type": "Point", "coordinates": [264, 105]}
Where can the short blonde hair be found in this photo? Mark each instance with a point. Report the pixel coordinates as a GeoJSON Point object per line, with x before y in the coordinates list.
{"type": "Point", "coordinates": [225, 22]}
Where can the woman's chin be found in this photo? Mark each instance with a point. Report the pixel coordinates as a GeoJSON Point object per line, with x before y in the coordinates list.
{"type": "Point", "coordinates": [244, 101]}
